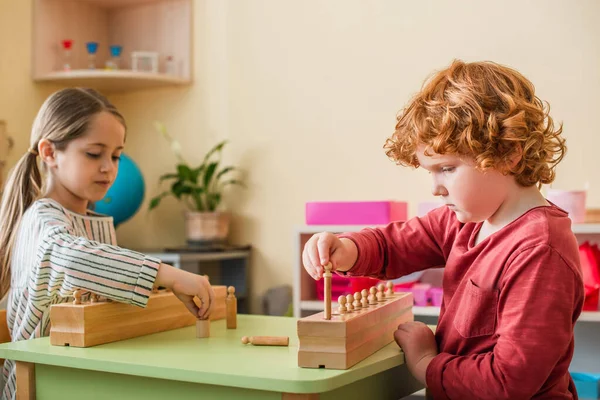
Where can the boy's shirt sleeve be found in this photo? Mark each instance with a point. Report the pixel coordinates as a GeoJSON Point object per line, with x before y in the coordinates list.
{"type": "Point", "coordinates": [401, 248]}
{"type": "Point", "coordinates": [70, 262]}
{"type": "Point", "coordinates": [539, 300]}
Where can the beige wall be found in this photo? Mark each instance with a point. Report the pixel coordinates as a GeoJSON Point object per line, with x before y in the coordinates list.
{"type": "Point", "coordinates": [307, 93]}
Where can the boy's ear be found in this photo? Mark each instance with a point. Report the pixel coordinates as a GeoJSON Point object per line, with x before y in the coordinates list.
{"type": "Point", "coordinates": [514, 159]}
{"type": "Point", "coordinates": [47, 152]}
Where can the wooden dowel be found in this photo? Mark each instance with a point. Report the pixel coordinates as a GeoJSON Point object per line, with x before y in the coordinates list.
{"type": "Point", "coordinates": [327, 299]}
{"type": "Point", "coordinates": [267, 340]}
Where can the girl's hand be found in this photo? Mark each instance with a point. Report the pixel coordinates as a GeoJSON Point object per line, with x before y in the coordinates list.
{"type": "Point", "coordinates": [418, 344]}
{"type": "Point", "coordinates": [186, 286]}
{"type": "Point", "coordinates": [323, 248]}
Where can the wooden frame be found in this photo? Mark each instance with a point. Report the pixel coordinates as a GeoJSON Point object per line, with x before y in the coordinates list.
{"type": "Point", "coordinates": [347, 339]}
{"type": "Point", "coordinates": [93, 323]}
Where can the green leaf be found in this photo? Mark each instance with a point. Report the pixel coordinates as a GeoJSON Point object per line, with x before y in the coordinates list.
{"type": "Point", "coordinates": [213, 201]}
{"type": "Point", "coordinates": [167, 176]}
{"type": "Point", "coordinates": [179, 188]}
{"type": "Point", "coordinates": [196, 173]}
{"type": "Point", "coordinates": [233, 182]}
{"type": "Point", "coordinates": [215, 149]}
{"type": "Point", "coordinates": [210, 171]}
{"type": "Point", "coordinates": [224, 171]}
{"type": "Point", "coordinates": [185, 172]}
{"type": "Point", "coordinates": [156, 200]}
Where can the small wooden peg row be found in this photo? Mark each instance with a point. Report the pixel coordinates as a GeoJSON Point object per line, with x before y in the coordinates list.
{"type": "Point", "coordinates": [266, 340]}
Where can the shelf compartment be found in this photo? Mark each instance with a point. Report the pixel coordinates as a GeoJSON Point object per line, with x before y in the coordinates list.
{"type": "Point", "coordinates": [161, 26]}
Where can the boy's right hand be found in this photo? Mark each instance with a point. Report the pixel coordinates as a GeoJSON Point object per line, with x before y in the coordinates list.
{"type": "Point", "coordinates": [325, 247]}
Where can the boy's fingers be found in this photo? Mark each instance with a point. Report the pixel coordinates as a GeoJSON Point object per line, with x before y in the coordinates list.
{"type": "Point", "coordinates": [313, 255]}
{"type": "Point", "coordinates": [309, 266]}
{"type": "Point", "coordinates": [324, 247]}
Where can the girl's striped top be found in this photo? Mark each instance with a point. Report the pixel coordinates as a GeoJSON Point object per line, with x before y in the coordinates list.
{"type": "Point", "coordinates": [58, 251]}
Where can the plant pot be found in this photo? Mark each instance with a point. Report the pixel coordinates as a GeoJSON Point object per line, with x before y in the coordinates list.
{"type": "Point", "coordinates": [206, 228]}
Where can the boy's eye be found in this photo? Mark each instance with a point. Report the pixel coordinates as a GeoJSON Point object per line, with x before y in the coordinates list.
{"type": "Point", "coordinates": [447, 169]}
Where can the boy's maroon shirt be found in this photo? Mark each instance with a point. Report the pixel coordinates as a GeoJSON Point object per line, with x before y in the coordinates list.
{"type": "Point", "coordinates": [510, 303]}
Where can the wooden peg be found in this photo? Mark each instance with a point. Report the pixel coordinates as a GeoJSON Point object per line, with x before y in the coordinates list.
{"type": "Point", "coordinates": [77, 296]}
{"type": "Point", "coordinates": [93, 298]}
{"type": "Point", "coordinates": [349, 300]}
{"type": "Point", "coordinates": [342, 303]}
{"type": "Point", "coordinates": [231, 308]}
{"type": "Point", "coordinates": [327, 299]}
{"type": "Point", "coordinates": [372, 298]}
{"type": "Point", "coordinates": [364, 302]}
{"type": "Point", "coordinates": [380, 289]}
{"type": "Point", "coordinates": [202, 328]}
{"type": "Point", "coordinates": [389, 292]}
{"type": "Point", "coordinates": [357, 304]}
{"type": "Point", "coordinates": [266, 340]}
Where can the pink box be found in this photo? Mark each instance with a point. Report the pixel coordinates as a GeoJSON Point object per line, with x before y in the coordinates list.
{"type": "Point", "coordinates": [355, 212]}
{"type": "Point", "coordinates": [436, 295]}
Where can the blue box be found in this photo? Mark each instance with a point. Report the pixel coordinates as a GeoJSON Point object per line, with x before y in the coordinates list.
{"type": "Point", "coordinates": [588, 385]}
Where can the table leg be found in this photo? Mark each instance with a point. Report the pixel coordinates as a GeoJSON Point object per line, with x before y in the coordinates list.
{"type": "Point", "coordinates": [25, 380]}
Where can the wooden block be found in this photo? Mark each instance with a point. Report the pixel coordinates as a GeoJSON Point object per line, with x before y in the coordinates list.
{"type": "Point", "coordinates": [350, 338]}
{"type": "Point", "coordinates": [90, 324]}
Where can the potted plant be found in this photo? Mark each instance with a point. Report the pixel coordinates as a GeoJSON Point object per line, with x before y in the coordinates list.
{"type": "Point", "coordinates": [200, 189]}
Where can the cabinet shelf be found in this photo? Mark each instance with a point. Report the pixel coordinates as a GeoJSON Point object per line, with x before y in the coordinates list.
{"type": "Point", "coordinates": [108, 81]}
{"type": "Point", "coordinates": [161, 27]}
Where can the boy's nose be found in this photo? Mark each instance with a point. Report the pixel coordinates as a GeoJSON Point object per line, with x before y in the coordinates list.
{"type": "Point", "coordinates": [438, 190]}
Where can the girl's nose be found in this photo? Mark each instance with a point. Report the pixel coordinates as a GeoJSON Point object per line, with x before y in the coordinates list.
{"type": "Point", "coordinates": [106, 166]}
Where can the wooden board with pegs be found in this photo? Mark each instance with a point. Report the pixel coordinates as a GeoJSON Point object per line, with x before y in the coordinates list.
{"type": "Point", "coordinates": [352, 335]}
{"type": "Point", "coordinates": [95, 321]}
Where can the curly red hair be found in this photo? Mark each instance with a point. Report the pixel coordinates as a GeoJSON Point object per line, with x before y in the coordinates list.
{"type": "Point", "coordinates": [485, 111]}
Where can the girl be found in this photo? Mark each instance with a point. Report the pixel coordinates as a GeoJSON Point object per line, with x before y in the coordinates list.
{"type": "Point", "coordinates": [51, 244]}
{"type": "Point", "coordinates": [513, 288]}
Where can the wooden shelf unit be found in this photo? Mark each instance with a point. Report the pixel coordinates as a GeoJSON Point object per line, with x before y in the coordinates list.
{"type": "Point", "coordinates": [162, 26]}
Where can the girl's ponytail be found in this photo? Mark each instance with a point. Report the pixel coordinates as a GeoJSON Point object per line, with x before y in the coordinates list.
{"type": "Point", "coordinates": [22, 188]}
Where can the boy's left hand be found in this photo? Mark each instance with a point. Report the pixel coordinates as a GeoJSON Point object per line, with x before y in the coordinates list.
{"type": "Point", "coordinates": [418, 344]}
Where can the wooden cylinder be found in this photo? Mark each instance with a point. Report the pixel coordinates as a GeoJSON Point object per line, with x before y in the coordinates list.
{"type": "Point", "coordinates": [327, 298]}
{"type": "Point", "coordinates": [267, 340]}
{"type": "Point", "coordinates": [231, 308]}
{"type": "Point", "coordinates": [203, 328]}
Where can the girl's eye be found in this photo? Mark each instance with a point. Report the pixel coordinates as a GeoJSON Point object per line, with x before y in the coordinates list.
{"type": "Point", "coordinates": [92, 155]}
{"type": "Point", "coordinates": [447, 169]}
{"type": "Point", "coordinates": [116, 158]}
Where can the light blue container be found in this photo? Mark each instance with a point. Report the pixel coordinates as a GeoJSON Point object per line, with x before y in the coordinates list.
{"type": "Point", "coordinates": [588, 385]}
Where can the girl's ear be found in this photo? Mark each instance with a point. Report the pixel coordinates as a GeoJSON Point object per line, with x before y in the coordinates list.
{"type": "Point", "coordinates": [47, 152]}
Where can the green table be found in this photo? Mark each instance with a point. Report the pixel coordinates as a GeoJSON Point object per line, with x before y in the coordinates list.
{"type": "Point", "coordinates": [176, 365]}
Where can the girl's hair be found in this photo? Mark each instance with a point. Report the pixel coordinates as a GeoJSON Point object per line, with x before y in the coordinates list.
{"type": "Point", "coordinates": [64, 116]}
{"type": "Point", "coordinates": [485, 111]}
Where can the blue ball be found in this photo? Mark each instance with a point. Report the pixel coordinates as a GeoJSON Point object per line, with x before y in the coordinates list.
{"type": "Point", "coordinates": [126, 195]}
